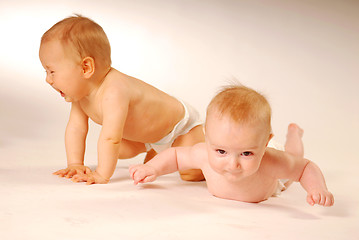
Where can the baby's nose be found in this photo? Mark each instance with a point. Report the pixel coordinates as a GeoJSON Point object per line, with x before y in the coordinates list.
{"type": "Point", "coordinates": [49, 80]}
{"type": "Point", "coordinates": [234, 164]}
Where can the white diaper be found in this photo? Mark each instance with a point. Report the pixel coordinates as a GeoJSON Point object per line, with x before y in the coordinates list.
{"type": "Point", "coordinates": [280, 187]}
{"type": "Point", "coordinates": [275, 145]}
{"type": "Point", "coordinates": [190, 120]}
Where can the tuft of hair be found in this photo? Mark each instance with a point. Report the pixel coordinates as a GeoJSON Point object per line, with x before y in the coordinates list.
{"type": "Point", "coordinates": [84, 36]}
{"type": "Point", "coordinates": [242, 104]}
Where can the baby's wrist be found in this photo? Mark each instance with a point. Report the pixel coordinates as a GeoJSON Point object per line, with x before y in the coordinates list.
{"type": "Point", "coordinates": [74, 164]}
{"type": "Point", "coordinates": [101, 176]}
{"type": "Point", "coordinates": [155, 171]}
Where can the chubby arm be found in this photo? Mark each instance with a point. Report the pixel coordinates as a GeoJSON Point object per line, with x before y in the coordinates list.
{"type": "Point", "coordinates": [114, 113]}
{"type": "Point", "coordinates": [114, 109]}
{"type": "Point", "coordinates": [313, 182]}
{"type": "Point", "coordinates": [288, 166]}
{"type": "Point", "coordinates": [169, 161]}
{"type": "Point", "coordinates": [75, 142]}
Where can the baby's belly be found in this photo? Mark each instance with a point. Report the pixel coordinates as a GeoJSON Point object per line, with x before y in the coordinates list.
{"type": "Point", "coordinates": [253, 194]}
{"type": "Point", "coordinates": [145, 133]}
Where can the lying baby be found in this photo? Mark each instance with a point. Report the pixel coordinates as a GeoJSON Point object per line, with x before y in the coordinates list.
{"type": "Point", "coordinates": [235, 158]}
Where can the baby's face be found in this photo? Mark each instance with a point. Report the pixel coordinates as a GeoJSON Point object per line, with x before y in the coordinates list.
{"type": "Point", "coordinates": [234, 150]}
{"type": "Point", "coordinates": [63, 73]}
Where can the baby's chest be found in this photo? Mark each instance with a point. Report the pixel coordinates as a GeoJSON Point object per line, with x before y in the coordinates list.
{"type": "Point", "coordinates": [93, 111]}
{"type": "Point", "coordinates": [252, 191]}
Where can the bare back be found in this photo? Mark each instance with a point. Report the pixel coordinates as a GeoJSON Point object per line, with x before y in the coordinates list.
{"type": "Point", "coordinates": [151, 114]}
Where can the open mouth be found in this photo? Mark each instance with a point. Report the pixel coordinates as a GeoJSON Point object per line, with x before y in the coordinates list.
{"type": "Point", "coordinates": [62, 94]}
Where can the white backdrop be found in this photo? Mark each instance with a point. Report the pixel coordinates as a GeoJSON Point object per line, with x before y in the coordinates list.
{"type": "Point", "coordinates": [303, 55]}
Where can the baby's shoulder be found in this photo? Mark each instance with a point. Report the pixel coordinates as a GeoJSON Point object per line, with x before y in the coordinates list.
{"type": "Point", "coordinates": [199, 152]}
{"type": "Point", "coordinates": [115, 86]}
{"type": "Point", "coordinates": [273, 162]}
{"type": "Point", "coordinates": [199, 148]}
{"type": "Point", "coordinates": [114, 81]}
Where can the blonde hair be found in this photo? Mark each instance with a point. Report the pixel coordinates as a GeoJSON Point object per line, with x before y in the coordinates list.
{"type": "Point", "coordinates": [84, 36]}
{"type": "Point", "coordinates": [242, 105]}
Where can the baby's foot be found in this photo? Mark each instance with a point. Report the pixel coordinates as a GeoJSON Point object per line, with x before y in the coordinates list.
{"type": "Point", "coordinates": [294, 142]}
{"type": "Point", "coordinates": [295, 129]}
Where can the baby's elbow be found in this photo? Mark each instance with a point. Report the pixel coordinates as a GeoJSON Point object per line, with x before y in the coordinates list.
{"type": "Point", "coordinates": [303, 166]}
{"type": "Point", "coordinates": [113, 140]}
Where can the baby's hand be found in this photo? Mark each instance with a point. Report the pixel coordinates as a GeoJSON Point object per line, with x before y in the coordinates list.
{"type": "Point", "coordinates": [90, 178]}
{"type": "Point", "coordinates": [324, 198]}
{"type": "Point", "coordinates": [142, 173]}
{"type": "Point", "coordinates": [71, 171]}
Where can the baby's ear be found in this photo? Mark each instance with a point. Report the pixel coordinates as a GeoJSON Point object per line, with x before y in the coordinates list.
{"type": "Point", "coordinates": [88, 66]}
{"type": "Point", "coordinates": [269, 138]}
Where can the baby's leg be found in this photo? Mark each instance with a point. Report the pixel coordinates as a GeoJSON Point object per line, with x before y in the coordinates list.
{"type": "Point", "coordinates": [150, 154]}
{"type": "Point", "coordinates": [196, 135]}
{"type": "Point", "coordinates": [130, 149]}
{"type": "Point", "coordinates": [294, 143]}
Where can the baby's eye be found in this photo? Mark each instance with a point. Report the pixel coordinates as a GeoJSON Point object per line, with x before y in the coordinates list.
{"type": "Point", "coordinates": [221, 151]}
{"type": "Point", "coordinates": [246, 154]}
{"type": "Point", "coordinates": [49, 72]}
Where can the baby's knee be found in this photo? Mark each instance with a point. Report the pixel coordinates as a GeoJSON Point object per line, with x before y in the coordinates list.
{"type": "Point", "coordinates": [193, 175]}
{"type": "Point", "coordinates": [194, 136]}
{"type": "Point", "coordinates": [130, 149]}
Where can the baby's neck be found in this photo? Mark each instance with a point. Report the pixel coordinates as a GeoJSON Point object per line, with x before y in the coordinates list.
{"type": "Point", "coordinates": [100, 75]}
{"type": "Point", "coordinates": [96, 81]}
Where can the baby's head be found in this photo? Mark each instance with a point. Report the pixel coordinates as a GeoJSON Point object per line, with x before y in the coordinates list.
{"type": "Point", "coordinates": [81, 37]}
{"type": "Point", "coordinates": [238, 129]}
{"type": "Point", "coordinates": [242, 105]}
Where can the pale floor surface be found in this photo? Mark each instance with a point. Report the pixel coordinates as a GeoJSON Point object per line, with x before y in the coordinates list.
{"type": "Point", "coordinates": [303, 55]}
{"type": "Point", "coordinates": [37, 205]}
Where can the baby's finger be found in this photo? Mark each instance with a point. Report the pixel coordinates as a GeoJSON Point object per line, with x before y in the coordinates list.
{"type": "Point", "coordinates": [61, 172]}
{"type": "Point", "coordinates": [322, 200]}
{"type": "Point", "coordinates": [75, 179]}
{"type": "Point", "coordinates": [132, 169]}
{"type": "Point", "coordinates": [316, 198]}
{"type": "Point", "coordinates": [79, 178]}
{"type": "Point", "coordinates": [57, 172]}
{"type": "Point", "coordinates": [329, 201]}
{"type": "Point", "coordinates": [147, 179]}
{"type": "Point", "coordinates": [310, 200]}
{"type": "Point", "coordinates": [87, 170]}
{"type": "Point", "coordinates": [137, 174]}
{"type": "Point", "coordinates": [138, 178]}
{"type": "Point", "coordinates": [70, 173]}
{"type": "Point", "coordinates": [90, 180]}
